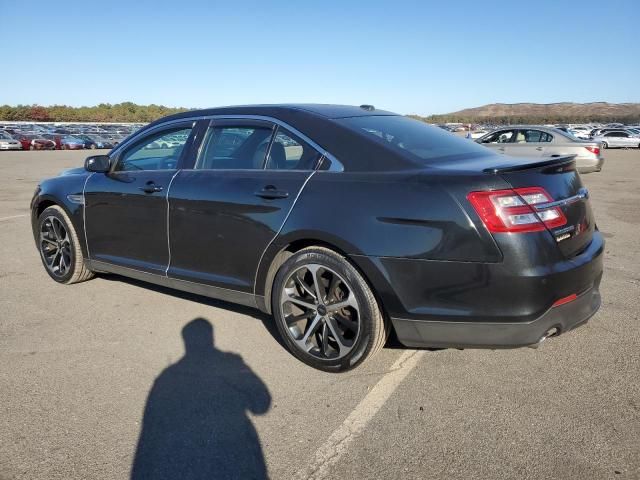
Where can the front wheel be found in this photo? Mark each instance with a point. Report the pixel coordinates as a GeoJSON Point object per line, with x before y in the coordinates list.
{"type": "Point", "coordinates": [325, 311]}
{"type": "Point", "coordinates": [604, 145]}
{"type": "Point", "coordinates": [60, 248]}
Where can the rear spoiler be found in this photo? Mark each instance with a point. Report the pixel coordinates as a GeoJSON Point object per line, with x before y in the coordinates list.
{"type": "Point", "coordinates": [562, 161]}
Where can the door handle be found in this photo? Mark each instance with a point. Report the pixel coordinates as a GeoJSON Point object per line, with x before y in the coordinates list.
{"type": "Point", "coordinates": [270, 193]}
{"type": "Point", "coordinates": [151, 187]}
{"type": "Point", "coordinates": [539, 149]}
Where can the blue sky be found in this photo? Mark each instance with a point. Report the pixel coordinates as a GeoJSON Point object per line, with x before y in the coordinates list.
{"type": "Point", "coordinates": [411, 57]}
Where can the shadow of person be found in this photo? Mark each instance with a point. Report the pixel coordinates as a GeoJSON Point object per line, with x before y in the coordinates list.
{"type": "Point", "coordinates": [195, 421]}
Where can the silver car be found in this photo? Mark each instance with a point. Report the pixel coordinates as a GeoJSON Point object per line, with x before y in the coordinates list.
{"type": "Point", "coordinates": [618, 139]}
{"type": "Point", "coordinates": [7, 142]}
{"type": "Point", "coordinates": [533, 141]}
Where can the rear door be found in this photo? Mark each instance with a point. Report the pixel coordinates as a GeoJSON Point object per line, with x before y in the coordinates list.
{"type": "Point", "coordinates": [226, 210]}
{"type": "Point", "coordinates": [126, 209]}
{"type": "Point", "coordinates": [529, 142]}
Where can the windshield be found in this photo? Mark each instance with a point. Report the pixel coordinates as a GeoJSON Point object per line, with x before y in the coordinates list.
{"type": "Point", "coordinates": [5, 136]}
{"type": "Point", "coordinates": [424, 142]}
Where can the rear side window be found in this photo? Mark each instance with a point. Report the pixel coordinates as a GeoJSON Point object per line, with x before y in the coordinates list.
{"type": "Point", "coordinates": [289, 152]}
{"type": "Point", "coordinates": [536, 136]}
{"type": "Point", "coordinates": [405, 135]}
{"type": "Point", "coordinates": [236, 147]}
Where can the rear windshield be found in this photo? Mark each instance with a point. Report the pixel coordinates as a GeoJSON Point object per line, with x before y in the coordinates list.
{"type": "Point", "coordinates": [423, 142]}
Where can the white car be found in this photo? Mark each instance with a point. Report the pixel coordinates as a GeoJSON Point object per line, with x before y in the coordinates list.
{"type": "Point", "coordinates": [478, 133]}
{"type": "Point", "coordinates": [580, 132]}
{"type": "Point", "coordinates": [7, 142]}
{"type": "Point", "coordinates": [617, 139]}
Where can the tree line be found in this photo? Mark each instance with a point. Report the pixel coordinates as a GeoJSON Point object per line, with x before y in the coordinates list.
{"type": "Point", "coordinates": [126, 112]}
{"type": "Point", "coordinates": [132, 113]}
{"type": "Point", "coordinates": [530, 119]}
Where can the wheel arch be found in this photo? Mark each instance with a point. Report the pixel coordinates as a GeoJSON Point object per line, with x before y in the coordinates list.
{"type": "Point", "coordinates": [282, 253]}
{"type": "Point", "coordinates": [43, 201]}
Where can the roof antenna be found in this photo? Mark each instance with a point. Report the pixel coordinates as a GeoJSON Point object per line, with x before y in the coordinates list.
{"type": "Point", "coordinates": [368, 108]}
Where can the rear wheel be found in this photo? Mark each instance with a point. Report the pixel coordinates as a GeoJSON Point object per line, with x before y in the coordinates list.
{"type": "Point", "coordinates": [325, 311]}
{"type": "Point", "coordinates": [604, 145]}
{"type": "Point", "coordinates": [60, 248]}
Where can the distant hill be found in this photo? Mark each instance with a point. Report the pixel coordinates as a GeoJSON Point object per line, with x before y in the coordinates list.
{"type": "Point", "coordinates": [565, 112]}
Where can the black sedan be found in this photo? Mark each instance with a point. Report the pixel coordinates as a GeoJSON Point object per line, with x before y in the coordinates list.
{"type": "Point", "coordinates": [344, 223]}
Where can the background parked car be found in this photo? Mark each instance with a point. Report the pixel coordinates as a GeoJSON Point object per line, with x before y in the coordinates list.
{"type": "Point", "coordinates": [532, 141]}
{"type": "Point", "coordinates": [7, 142]}
{"type": "Point", "coordinates": [34, 142]}
{"type": "Point", "coordinates": [56, 138]}
{"type": "Point", "coordinates": [72, 143]}
{"type": "Point", "coordinates": [618, 139]}
{"type": "Point", "coordinates": [94, 141]}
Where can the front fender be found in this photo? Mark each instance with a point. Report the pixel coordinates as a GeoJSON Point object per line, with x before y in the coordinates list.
{"type": "Point", "coordinates": [66, 191]}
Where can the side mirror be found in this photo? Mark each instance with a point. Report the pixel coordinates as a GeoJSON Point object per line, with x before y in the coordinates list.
{"type": "Point", "coordinates": [97, 163]}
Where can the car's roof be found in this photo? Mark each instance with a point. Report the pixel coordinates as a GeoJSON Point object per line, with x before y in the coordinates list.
{"type": "Point", "coordinates": [328, 111]}
{"type": "Point", "coordinates": [316, 121]}
{"type": "Point", "coordinates": [540, 127]}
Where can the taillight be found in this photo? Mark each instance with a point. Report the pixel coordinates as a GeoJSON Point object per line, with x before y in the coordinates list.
{"type": "Point", "coordinates": [594, 150]}
{"type": "Point", "coordinates": [504, 211]}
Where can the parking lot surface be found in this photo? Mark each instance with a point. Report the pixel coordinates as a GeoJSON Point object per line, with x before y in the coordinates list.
{"type": "Point", "coordinates": [114, 378]}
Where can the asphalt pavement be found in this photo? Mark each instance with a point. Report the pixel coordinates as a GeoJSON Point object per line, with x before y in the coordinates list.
{"type": "Point", "coordinates": [113, 378]}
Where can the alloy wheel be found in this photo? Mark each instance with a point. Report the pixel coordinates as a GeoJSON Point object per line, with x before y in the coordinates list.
{"type": "Point", "coordinates": [55, 246]}
{"type": "Point", "coordinates": [320, 312]}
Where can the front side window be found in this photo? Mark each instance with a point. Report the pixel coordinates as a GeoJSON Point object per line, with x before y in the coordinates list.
{"type": "Point", "coordinates": [158, 151]}
{"type": "Point", "coordinates": [501, 136]}
{"type": "Point", "coordinates": [235, 147]}
{"type": "Point", "coordinates": [289, 152]}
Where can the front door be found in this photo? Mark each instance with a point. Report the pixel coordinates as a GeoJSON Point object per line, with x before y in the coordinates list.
{"type": "Point", "coordinates": [227, 209]}
{"type": "Point", "coordinates": [126, 209]}
{"type": "Point", "coordinates": [499, 140]}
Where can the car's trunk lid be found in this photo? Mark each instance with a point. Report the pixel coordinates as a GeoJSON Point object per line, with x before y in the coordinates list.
{"type": "Point", "coordinates": [561, 181]}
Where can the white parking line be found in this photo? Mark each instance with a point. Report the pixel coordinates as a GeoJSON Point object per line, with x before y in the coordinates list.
{"type": "Point", "coordinates": [338, 443]}
{"type": "Point", "coordinates": [13, 216]}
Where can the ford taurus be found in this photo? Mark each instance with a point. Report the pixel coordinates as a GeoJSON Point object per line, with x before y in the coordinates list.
{"type": "Point", "coordinates": [347, 224]}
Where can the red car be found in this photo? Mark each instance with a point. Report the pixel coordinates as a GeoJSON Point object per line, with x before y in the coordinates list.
{"type": "Point", "coordinates": [56, 138]}
{"type": "Point", "coordinates": [34, 142]}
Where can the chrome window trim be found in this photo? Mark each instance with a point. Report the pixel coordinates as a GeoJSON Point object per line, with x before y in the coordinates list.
{"type": "Point", "coordinates": [166, 271]}
{"type": "Point", "coordinates": [116, 152]}
{"type": "Point", "coordinates": [335, 166]}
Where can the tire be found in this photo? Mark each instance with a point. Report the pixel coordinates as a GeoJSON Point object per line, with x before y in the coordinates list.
{"type": "Point", "coordinates": [31, 147]}
{"type": "Point", "coordinates": [360, 325]}
{"type": "Point", "coordinates": [93, 146]}
{"type": "Point", "coordinates": [604, 145]}
{"type": "Point", "coordinates": [67, 244]}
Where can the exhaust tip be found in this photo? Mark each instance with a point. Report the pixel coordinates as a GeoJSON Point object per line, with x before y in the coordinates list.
{"type": "Point", "coordinates": [552, 332]}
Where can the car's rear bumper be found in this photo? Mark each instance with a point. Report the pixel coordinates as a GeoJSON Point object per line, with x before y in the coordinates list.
{"type": "Point", "coordinates": [502, 304]}
{"type": "Point", "coordinates": [589, 164]}
{"type": "Point", "coordinates": [557, 320]}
